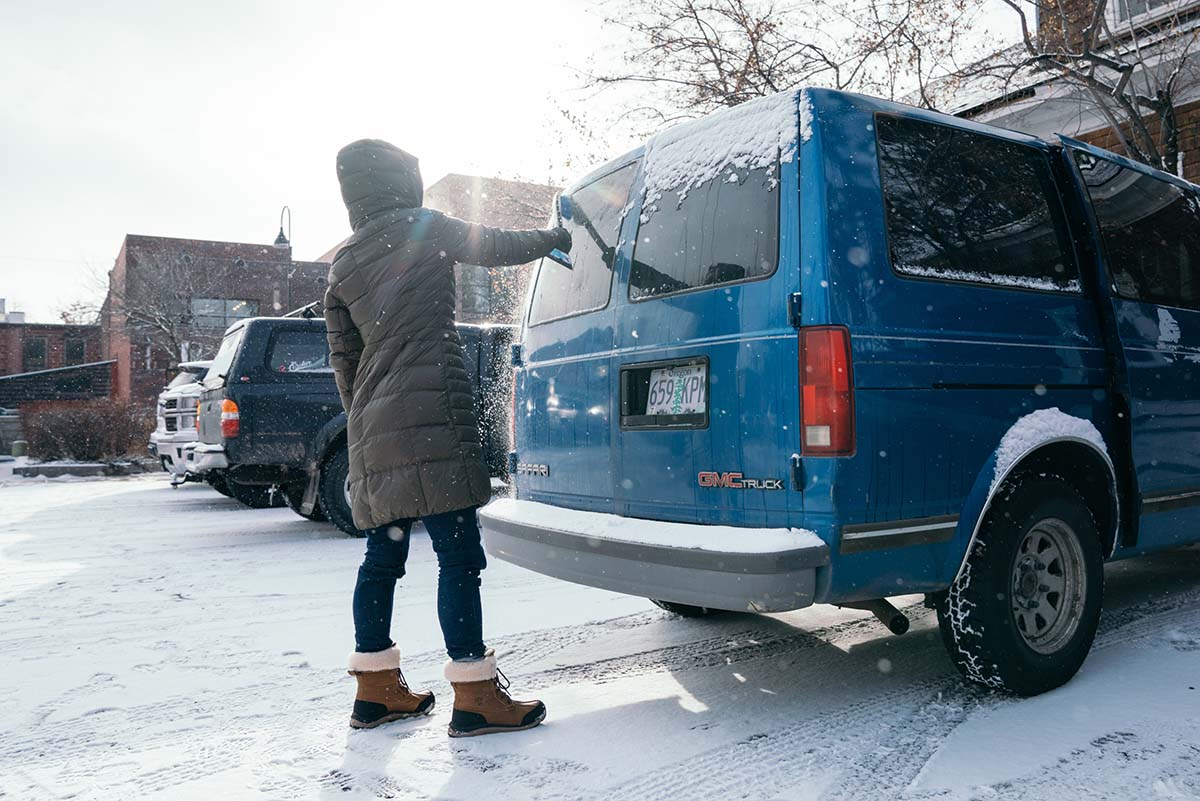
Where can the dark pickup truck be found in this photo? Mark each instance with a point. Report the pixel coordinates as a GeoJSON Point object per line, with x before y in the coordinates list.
{"type": "Point", "coordinates": [270, 415]}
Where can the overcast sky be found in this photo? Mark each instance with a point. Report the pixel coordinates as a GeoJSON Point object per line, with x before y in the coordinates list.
{"type": "Point", "coordinates": [203, 119]}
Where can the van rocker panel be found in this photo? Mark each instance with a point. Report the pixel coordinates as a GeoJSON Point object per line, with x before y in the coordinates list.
{"type": "Point", "coordinates": [717, 576]}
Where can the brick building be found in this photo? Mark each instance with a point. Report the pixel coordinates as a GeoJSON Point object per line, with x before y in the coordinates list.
{"type": "Point", "coordinates": [1036, 101]}
{"type": "Point", "coordinates": [28, 347]}
{"type": "Point", "coordinates": [491, 294]}
{"type": "Point", "coordinates": [171, 299]}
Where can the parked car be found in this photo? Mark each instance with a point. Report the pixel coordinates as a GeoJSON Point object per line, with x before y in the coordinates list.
{"type": "Point", "coordinates": [823, 348]}
{"type": "Point", "coordinates": [175, 416]}
{"type": "Point", "coordinates": [271, 419]}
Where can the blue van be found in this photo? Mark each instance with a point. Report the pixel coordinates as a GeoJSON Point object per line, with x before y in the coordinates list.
{"type": "Point", "coordinates": [823, 348]}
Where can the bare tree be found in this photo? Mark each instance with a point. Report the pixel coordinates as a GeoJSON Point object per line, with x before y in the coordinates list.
{"type": "Point", "coordinates": [1132, 74]}
{"type": "Point", "coordinates": [154, 304]}
{"type": "Point", "coordinates": [706, 54]}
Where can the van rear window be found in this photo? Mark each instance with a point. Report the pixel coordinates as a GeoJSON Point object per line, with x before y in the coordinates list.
{"type": "Point", "coordinates": [1151, 232]}
{"type": "Point", "coordinates": [723, 231]}
{"type": "Point", "coordinates": [597, 211]}
{"type": "Point", "coordinates": [963, 206]}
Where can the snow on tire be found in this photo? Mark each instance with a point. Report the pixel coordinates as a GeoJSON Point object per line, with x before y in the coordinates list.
{"type": "Point", "coordinates": [1023, 613]}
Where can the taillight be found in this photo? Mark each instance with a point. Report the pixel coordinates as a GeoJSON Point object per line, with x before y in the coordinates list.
{"type": "Point", "coordinates": [826, 392]}
{"type": "Point", "coordinates": [197, 422]}
{"type": "Point", "coordinates": [230, 419]}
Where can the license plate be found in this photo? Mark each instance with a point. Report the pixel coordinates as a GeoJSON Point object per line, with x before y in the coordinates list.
{"type": "Point", "coordinates": [678, 390]}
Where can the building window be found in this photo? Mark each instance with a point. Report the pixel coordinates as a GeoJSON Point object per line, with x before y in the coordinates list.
{"type": "Point", "coordinates": [221, 313]}
{"type": "Point", "coordinates": [34, 354]}
{"type": "Point", "coordinates": [1132, 9]}
{"type": "Point", "coordinates": [74, 351]}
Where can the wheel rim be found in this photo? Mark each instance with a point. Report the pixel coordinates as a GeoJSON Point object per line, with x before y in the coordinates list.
{"type": "Point", "coordinates": [1048, 587]}
{"type": "Point", "coordinates": [346, 491]}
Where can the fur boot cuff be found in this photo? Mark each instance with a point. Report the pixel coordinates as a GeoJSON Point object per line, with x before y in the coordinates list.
{"type": "Point", "coordinates": [474, 670]}
{"type": "Point", "coordinates": [378, 660]}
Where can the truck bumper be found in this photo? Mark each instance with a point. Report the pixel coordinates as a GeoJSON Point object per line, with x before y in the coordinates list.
{"type": "Point", "coordinates": [711, 566]}
{"type": "Point", "coordinates": [205, 457]}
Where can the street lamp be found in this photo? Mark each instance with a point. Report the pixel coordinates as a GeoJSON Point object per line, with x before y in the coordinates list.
{"type": "Point", "coordinates": [282, 241]}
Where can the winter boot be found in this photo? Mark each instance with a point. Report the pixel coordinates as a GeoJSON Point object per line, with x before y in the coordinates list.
{"type": "Point", "coordinates": [481, 703]}
{"type": "Point", "coordinates": [383, 694]}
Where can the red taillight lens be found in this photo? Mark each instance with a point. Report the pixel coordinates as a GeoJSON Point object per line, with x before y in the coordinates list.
{"type": "Point", "coordinates": [231, 424]}
{"type": "Point", "coordinates": [826, 392]}
{"type": "Point", "coordinates": [197, 421]}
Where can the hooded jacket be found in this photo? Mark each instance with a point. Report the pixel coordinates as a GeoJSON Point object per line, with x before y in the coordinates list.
{"type": "Point", "coordinates": [389, 310]}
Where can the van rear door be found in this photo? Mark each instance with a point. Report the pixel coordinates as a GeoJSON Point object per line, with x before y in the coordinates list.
{"type": "Point", "coordinates": [706, 360]}
{"type": "Point", "coordinates": [563, 392]}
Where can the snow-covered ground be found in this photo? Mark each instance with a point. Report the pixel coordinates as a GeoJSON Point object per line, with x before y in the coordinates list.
{"type": "Point", "coordinates": [204, 660]}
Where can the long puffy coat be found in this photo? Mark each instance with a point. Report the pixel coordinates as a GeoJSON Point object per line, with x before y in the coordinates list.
{"type": "Point", "coordinates": [389, 308]}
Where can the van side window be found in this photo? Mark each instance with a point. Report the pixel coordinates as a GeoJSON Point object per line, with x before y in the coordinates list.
{"type": "Point", "coordinates": [966, 207]}
{"type": "Point", "coordinates": [723, 231]}
{"type": "Point", "coordinates": [1151, 232]}
{"type": "Point", "coordinates": [596, 219]}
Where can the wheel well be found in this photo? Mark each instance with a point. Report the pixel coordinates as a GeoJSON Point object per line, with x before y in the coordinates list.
{"type": "Point", "coordinates": [1089, 472]}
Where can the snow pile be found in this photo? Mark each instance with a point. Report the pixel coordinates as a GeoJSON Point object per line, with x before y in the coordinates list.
{"type": "Point", "coordinates": [1036, 428]}
{"type": "Point", "coordinates": [692, 536]}
{"type": "Point", "coordinates": [996, 279]}
{"type": "Point", "coordinates": [755, 135]}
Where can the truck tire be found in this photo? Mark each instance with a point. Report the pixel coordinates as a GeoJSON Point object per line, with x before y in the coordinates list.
{"type": "Point", "coordinates": [334, 496]}
{"type": "Point", "coordinates": [218, 482]}
{"type": "Point", "coordinates": [1022, 615]}
{"type": "Point", "coordinates": [684, 610]}
{"type": "Point", "coordinates": [256, 496]}
{"type": "Point", "coordinates": [293, 496]}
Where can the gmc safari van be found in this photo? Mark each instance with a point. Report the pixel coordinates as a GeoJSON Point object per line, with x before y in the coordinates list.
{"type": "Point", "coordinates": [822, 348]}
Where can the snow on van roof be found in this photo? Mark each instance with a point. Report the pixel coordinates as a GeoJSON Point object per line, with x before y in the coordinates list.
{"type": "Point", "coordinates": [757, 134]}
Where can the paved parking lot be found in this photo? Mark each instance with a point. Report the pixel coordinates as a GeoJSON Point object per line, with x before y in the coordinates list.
{"type": "Point", "coordinates": [175, 645]}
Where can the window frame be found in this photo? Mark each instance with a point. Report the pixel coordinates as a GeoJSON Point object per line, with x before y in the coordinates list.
{"type": "Point", "coordinates": [1144, 19]}
{"type": "Point", "coordinates": [1061, 224]}
{"type": "Point", "coordinates": [1098, 227]}
{"type": "Point", "coordinates": [636, 163]}
{"type": "Point", "coordinates": [225, 312]}
{"type": "Point", "coordinates": [724, 284]}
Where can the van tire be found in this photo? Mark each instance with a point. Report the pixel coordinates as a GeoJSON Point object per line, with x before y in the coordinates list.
{"type": "Point", "coordinates": [684, 610]}
{"type": "Point", "coordinates": [999, 620]}
{"type": "Point", "coordinates": [293, 496]}
{"type": "Point", "coordinates": [333, 491]}
{"type": "Point", "coordinates": [256, 496]}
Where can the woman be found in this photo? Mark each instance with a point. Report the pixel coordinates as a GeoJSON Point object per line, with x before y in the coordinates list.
{"type": "Point", "coordinates": [415, 450]}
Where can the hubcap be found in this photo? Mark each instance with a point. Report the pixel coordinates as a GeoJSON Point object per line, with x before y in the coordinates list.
{"type": "Point", "coordinates": [1048, 585]}
{"type": "Point", "coordinates": [346, 491]}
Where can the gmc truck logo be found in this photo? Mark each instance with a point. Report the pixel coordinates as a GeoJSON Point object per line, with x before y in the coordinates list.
{"type": "Point", "coordinates": [708, 478]}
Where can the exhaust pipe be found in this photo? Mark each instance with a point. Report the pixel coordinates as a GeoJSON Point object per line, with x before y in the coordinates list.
{"type": "Point", "coordinates": [885, 613]}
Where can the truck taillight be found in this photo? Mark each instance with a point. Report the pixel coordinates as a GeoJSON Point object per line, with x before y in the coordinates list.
{"type": "Point", "coordinates": [826, 392]}
{"type": "Point", "coordinates": [197, 422]}
{"type": "Point", "coordinates": [230, 419]}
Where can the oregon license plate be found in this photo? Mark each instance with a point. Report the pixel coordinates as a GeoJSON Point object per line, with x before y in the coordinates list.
{"type": "Point", "coordinates": [678, 390]}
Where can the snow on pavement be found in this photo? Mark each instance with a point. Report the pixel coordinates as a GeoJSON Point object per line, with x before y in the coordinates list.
{"type": "Point", "coordinates": [206, 660]}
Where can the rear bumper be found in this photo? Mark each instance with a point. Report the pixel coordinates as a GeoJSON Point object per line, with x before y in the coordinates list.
{"type": "Point", "coordinates": [204, 457]}
{"type": "Point", "coordinates": [711, 566]}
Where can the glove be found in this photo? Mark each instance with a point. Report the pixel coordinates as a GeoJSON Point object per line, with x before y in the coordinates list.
{"type": "Point", "coordinates": [562, 239]}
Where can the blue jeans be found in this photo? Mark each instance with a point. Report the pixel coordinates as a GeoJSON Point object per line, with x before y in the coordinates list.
{"type": "Point", "coordinates": [455, 538]}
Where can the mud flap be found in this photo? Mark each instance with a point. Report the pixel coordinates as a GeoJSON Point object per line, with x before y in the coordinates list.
{"type": "Point", "coordinates": [309, 503]}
